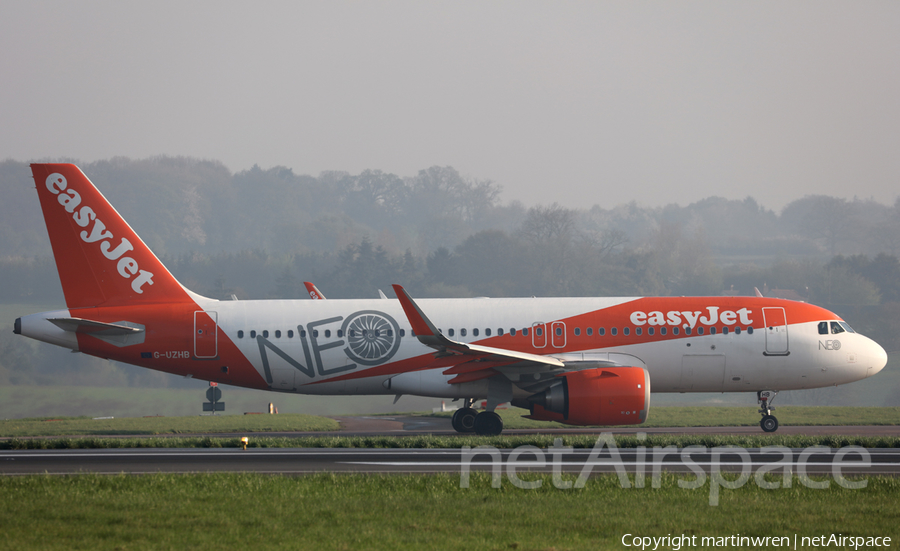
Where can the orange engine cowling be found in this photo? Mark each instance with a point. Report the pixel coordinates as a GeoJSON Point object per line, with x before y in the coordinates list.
{"type": "Point", "coordinates": [599, 396]}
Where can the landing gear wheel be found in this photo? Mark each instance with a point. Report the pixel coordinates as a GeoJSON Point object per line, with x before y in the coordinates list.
{"type": "Point", "coordinates": [769, 423]}
{"type": "Point", "coordinates": [464, 420]}
{"type": "Point", "coordinates": [488, 423]}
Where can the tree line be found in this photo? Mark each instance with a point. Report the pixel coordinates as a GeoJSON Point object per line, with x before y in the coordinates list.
{"type": "Point", "coordinates": [261, 233]}
{"type": "Point", "coordinates": [182, 205]}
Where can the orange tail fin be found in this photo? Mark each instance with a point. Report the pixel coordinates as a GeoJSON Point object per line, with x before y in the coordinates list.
{"type": "Point", "coordinates": [101, 260]}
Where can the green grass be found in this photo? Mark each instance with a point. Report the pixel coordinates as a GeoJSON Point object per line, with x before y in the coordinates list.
{"type": "Point", "coordinates": [710, 416]}
{"type": "Point", "coordinates": [453, 441]}
{"type": "Point", "coordinates": [324, 512]}
{"type": "Point", "coordinates": [660, 417]}
{"type": "Point", "coordinates": [167, 425]}
{"type": "Point", "coordinates": [20, 401]}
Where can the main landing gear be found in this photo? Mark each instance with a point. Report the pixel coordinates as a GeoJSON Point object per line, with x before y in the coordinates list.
{"type": "Point", "coordinates": [486, 423]}
{"type": "Point", "coordinates": [768, 422]}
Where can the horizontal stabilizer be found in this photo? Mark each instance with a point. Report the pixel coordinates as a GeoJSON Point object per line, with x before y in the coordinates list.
{"type": "Point", "coordinates": [78, 325]}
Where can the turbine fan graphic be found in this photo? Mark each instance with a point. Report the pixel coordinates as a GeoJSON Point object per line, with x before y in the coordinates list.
{"type": "Point", "coordinates": [372, 337]}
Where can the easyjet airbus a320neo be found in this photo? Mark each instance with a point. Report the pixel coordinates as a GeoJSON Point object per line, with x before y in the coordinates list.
{"type": "Point", "coordinates": [580, 361]}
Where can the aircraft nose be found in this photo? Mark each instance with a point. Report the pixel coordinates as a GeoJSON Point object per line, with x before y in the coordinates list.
{"type": "Point", "coordinates": [877, 358]}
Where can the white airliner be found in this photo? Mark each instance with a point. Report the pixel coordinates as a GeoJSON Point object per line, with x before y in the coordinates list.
{"type": "Point", "coordinates": [580, 361]}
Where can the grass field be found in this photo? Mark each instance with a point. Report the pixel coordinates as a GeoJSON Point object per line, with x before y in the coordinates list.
{"type": "Point", "coordinates": [324, 512]}
{"type": "Point", "coordinates": [452, 441]}
{"type": "Point", "coordinates": [167, 425]}
{"type": "Point", "coordinates": [512, 418]}
{"type": "Point", "coordinates": [23, 401]}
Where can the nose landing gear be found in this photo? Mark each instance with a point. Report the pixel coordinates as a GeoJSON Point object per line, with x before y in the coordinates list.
{"type": "Point", "coordinates": [764, 398]}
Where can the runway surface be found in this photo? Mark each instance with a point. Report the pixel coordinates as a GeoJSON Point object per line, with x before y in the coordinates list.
{"type": "Point", "coordinates": [304, 461]}
{"type": "Point", "coordinates": [308, 460]}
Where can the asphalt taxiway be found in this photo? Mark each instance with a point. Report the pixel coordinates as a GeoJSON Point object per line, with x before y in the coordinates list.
{"type": "Point", "coordinates": [308, 460]}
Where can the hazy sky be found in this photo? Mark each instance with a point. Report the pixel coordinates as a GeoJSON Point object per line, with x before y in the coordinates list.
{"type": "Point", "coordinates": [573, 102]}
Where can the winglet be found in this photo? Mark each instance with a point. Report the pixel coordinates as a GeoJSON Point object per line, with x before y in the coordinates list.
{"type": "Point", "coordinates": [429, 336]}
{"type": "Point", "coordinates": [758, 294]}
{"type": "Point", "coordinates": [425, 331]}
{"type": "Point", "coordinates": [314, 292]}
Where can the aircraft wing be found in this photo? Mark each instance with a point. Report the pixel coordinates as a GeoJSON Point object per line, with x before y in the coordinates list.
{"type": "Point", "coordinates": [483, 359]}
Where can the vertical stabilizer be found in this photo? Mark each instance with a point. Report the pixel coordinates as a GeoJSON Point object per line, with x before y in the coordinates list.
{"type": "Point", "coordinates": [101, 260]}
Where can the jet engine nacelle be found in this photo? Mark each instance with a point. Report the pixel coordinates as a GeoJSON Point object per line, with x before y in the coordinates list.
{"type": "Point", "coordinates": [599, 396]}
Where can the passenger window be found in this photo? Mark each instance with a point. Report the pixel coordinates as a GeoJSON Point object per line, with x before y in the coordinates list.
{"type": "Point", "coordinates": [474, 332]}
{"type": "Point", "coordinates": [601, 331]}
{"type": "Point", "coordinates": [712, 330]}
{"type": "Point", "coordinates": [303, 333]}
{"type": "Point", "coordinates": [240, 334]}
{"type": "Point", "coordinates": [538, 331]}
{"type": "Point", "coordinates": [487, 332]}
{"type": "Point", "coordinates": [340, 333]}
{"type": "Point", "coordinates": [266, 334]}
{"type": "Point", "coordinates": [328, 333]}
{"type": "Point", "coordinates": [278, 333]}
{"type": "Point", "coordinates": [650, 331]}
{"type": "Point", "coordinates": [499, 331]}
{"type": "Point", "coordinates": [737, 330]}
{"type": "Point", "coordinates": [402, 333]}
{"type": "Point", "coordinates": [590, 331]}
{"type": "Point", "coordinates": [836, 328]}
{"type": "Point", "coordinates": [750, 330]}
{"type": "Point", "coordinates": [290, 333]}
{"type": "Point", "coordinates": [638, 331]}
{"type": "Point", "coordinates": [252, 334]}
{"type": "Point", "coordinates": [390, 332]}
{"type": "Point", "coordinates": [559, 331]}
{"type": "Point", "coordinates": [626, 331]}
{"type": "Point", "coordinates": [577, 331]}
{"type": "Point", "coordinates": [725, 330]}
{"type": "Point", "coordinates": [614, 331]}
{"type": "Point", "coordinates": [823, 327]}
{"type": "Point", "coordinates": [462, 332]}
{"type": "Point", "coordinates": [699, 330]}
{"type": "Point", "coordinates": [687, 330]}
{"type": "Point", "coordinates": [662, 330]}
{"type": "Point", "coordinates": [524, 331]}
{"type": "Point", "coordinates": [315, 333]}
{"type": "Point", "coordinates": [512, 331]}
{"type": "Point", "coordinates": [674, 330]}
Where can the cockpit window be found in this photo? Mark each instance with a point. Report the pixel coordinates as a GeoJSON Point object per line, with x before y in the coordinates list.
{"type": "Point", "coordinates": [823, 327]}
{"type": "Point", "coordinates": [836, 328]}
{"type": "Point", "coordinates": [847, 327]}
